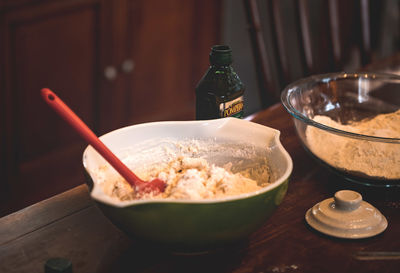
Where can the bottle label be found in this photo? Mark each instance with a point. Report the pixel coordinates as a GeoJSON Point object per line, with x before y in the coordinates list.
{"type": "Point", "coordinates": [233, 108]}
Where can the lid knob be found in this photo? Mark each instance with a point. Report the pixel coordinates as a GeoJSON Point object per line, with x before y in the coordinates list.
{"type": "Point", "coordinates": [347, 200]}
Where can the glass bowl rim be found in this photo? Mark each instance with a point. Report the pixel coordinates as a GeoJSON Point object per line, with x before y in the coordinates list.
{"type": "Point", "coordinates": [323, 78]}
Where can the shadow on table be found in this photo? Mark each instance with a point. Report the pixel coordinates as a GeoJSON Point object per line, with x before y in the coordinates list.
{"type": "Point", "coordinates": [143, 258]}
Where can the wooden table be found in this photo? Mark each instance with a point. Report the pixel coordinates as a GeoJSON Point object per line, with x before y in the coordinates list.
{"type": "Point", "coordinates": [69, 225]}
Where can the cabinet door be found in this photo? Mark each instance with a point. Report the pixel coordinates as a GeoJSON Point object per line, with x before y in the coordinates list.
{"type": "Point", "coordinates": [169, 42]}
{"type": "Point", "coordinates": [54, 45]}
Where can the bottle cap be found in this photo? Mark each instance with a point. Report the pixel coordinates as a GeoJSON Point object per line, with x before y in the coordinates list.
{"type": "Point", "coordinates": [58, 265]}
{"type": "Point", "coordinates": [221, 55]}
{"type": "Point", "coordinates": [346, 215]}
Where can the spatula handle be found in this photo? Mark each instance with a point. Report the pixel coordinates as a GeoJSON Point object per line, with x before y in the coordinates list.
{"type": "Point", "coordinates": [70, 117]}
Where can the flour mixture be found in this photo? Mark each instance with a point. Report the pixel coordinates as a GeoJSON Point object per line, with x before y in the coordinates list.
{"type": "Point", "coordinates": [376, 159]}
{"type": "Point", "coordinates": [189, 175]}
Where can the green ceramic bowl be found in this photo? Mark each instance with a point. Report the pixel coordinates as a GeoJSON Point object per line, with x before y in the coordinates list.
{"type": "Point", "coordinates": [192, 226]}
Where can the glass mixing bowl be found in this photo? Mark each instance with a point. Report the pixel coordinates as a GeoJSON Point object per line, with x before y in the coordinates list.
{"type": "Point", "coordinates": [349, 123]}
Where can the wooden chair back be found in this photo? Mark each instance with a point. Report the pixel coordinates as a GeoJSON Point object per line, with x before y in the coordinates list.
{"type": "Point", "coordinates": [292, 39]}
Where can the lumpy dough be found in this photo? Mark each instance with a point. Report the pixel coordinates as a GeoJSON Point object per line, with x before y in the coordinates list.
{"type": "Point", "coordinates": [186, 178]}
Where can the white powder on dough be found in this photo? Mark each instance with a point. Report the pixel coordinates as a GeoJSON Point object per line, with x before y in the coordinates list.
{"type": "Point", "coordinates": [188, 175]}
{"type": "Point", "coordinates": [376, 159]}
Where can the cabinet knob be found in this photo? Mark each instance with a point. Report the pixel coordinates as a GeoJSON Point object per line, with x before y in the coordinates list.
{"type": "Point", "coordinates": [110, 73]}
{"type": "Point", "coordinates": [127, 66]}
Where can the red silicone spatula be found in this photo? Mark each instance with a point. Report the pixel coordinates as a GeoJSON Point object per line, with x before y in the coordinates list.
{"type": "Point", "coordinates": [155, 186]}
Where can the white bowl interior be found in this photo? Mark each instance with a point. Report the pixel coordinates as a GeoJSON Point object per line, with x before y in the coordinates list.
{"type": "Point", "coordinates": [229, 134]}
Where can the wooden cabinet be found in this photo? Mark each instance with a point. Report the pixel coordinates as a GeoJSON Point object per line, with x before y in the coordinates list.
{"type": "Point", "coordinates": [115, 63]}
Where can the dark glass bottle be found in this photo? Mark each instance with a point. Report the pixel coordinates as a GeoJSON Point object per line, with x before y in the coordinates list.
{"type": "Point", "coordinates": [220, 92]}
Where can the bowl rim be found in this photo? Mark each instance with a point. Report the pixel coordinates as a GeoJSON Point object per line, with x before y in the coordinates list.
{"type": "Point", "coordinates": [323, 78]}
{"type": "Point", "coordinates": [105, 199]}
